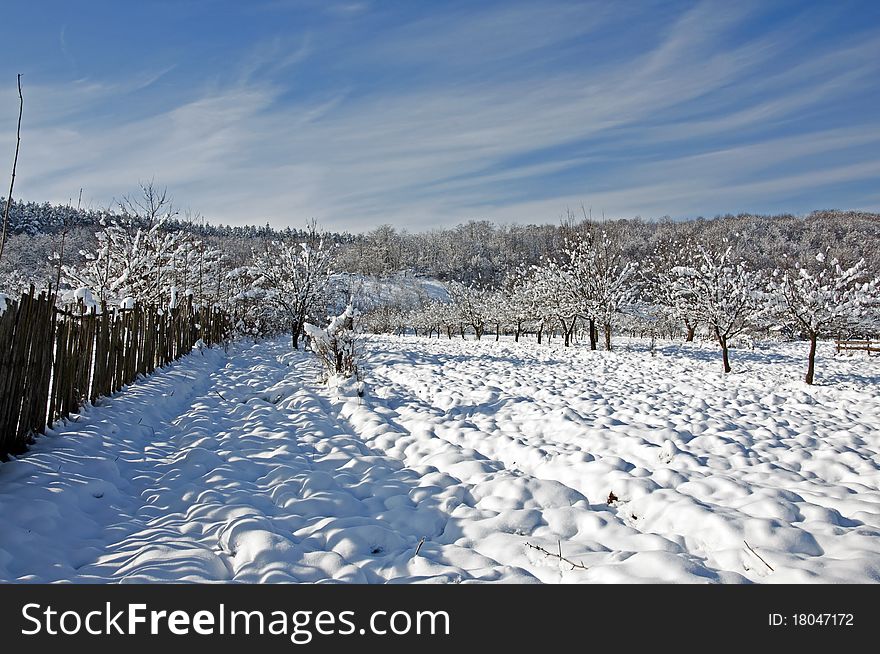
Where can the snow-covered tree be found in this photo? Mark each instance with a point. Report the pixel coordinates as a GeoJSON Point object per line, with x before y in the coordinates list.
{"type": "Point", "coordinates": [659, 282]}
{"type": "Point", "coordinates": [336, 345]}
{"type": "Point", "coordinates": [447, 317]}
{"type": "Point", "coordinates": [517, 299]}
{"type": "Point", "coordinates": [609, 283]}
{"type": "Point", "coordinates": [425, 318]}
{"type": "Point", "coordinates": [471, 304]}
{"type": "Point", "coordinates": [820, 297]}
{"type": "Point", "coordinates": [128, 262]}
{"type": "Point", "coordinates": [382, 319]}
{"type": "Point", "coordinates": [554, 302]}
{"type": "Point", "coordinates": [724, 294]}
{"type": "Point", "coordinates": [590, 280]}
{"type": "Point", "coordinates": [253, 316]}
{"type": "Point", "coordinates": [568, 284]}
{"type": "Point", "coordinates": [293, 276]}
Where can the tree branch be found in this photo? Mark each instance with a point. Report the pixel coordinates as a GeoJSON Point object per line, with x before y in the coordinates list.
{"type": "Point", "coordinates": [558, 556]}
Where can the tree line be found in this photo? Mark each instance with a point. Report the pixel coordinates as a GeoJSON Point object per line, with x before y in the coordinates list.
{"type": "Point", "coordinates": [684, 285]}
{"type": "Point", "coordinates": [807, 277]}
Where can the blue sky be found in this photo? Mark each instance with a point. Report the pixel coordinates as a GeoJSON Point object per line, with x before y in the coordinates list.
{"type": "Point", "coordinates": [424, 114]}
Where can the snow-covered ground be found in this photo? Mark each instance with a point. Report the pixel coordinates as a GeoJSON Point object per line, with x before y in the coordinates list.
{"type": "Point", "coordinates": [397, 289]}
{"type": "Point", "coordinates": [636, 468]}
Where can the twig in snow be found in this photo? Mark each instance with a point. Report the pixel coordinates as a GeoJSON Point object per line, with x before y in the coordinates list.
{"type": "Point", "coordinates": [221, 396]}
{"type": "Point", "coordinates": [141, 422]}
{"type": "Point", "coordinates": [421, 542]}
{"type": "Point", "coordinates": [759, 557]}
{"type": "Point", "coordinates": [558, 556]}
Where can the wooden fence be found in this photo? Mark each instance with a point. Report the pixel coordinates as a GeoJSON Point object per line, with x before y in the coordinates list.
{"type": "Point", "coordinates": [862, 345]}
{"type": "Point", "coordinates": [52, 361]}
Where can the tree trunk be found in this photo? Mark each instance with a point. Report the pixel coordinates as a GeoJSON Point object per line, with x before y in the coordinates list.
{"type": "Point", "coordinates": [691, 330]}
{"type": "Point", "coordinates": [461, 328]}
{"type": "Point", "coordinates": [607, 327]}
{"type": "Point", "coordinates": [569, 331]}
{"type": "Point", "coordinates": [594, 334]}
{"type": "Point", "coordinates": [497, 331]}
{"type": "Point", "coordinates": [518, 330]}
{"type": "Point", "coordinates": [811, 361]}
{"type": "Point", "coordinates": [294, 335]}
{"type": "Point", "coordinates": [725, 359]}
{"type": "Point", "coordinates": [540, 333]}
{"type": "Point", "coordinates": [478, 331]}
{"type": "Point", "coordinates": [724, 356]}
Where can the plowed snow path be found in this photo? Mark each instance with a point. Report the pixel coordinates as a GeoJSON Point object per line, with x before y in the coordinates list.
{"type": "Point", "coordinates": [242, 467]}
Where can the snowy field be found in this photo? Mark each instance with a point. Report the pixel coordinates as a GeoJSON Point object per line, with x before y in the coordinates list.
{"type": "Point", "coordinates": [241, 466]}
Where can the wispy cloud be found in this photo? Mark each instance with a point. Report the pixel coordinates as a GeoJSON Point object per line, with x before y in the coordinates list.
{"type": "Point", "coordinates": [703, 114]}
{"type": "Point", "coordinates": [62, 43]}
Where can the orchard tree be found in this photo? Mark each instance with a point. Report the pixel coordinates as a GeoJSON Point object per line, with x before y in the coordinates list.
{"type": "Point", "coordinates": [294, 275]}
{"type": "Point", "coordinates": [724, 294]}
{"type": "Point", "coordinates": [447, 316]}
{"type": "Point", "coordinates": [659, 282]}
{"type": "Point", "coordinates": [520, 300]}
{"type": "Point", "coordinates": [425, 318]}
{"type": "Point", "coordinates": [611, 283]}
{"type": "Point", "coordinates": [576, 274]}
{"type": "Point", "coordinates": [471, 304]}
{"type": "Point", "coordinates": [136, 253]}
{"type": "Point", "coordinates": [600, 283]}
{"type": "Point", "coordinates": [820, 297]}
{"type": "Point", "coordinates": [552, 287]}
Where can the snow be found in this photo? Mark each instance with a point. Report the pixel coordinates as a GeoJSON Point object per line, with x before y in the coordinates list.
{"type": "Point", "coordinates": [242, 466]}
{"type": "Point", "coordinates": [397, 288]}
{"type": "Point", "coordinates": [337, 324]}
{"type": "Point", "coordinates": [85, 294]}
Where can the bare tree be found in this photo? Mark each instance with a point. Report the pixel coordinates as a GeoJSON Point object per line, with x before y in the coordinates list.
{"type": "Point", "coordinates": [14, 165]}
{"type": "Point", "coordinates": [152, 205]}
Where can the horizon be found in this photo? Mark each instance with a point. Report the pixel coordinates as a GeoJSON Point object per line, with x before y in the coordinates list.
{"type": "Point", "coordinates": [576, 218]}
{"type": "Point", "coordinates": [358, 114]}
